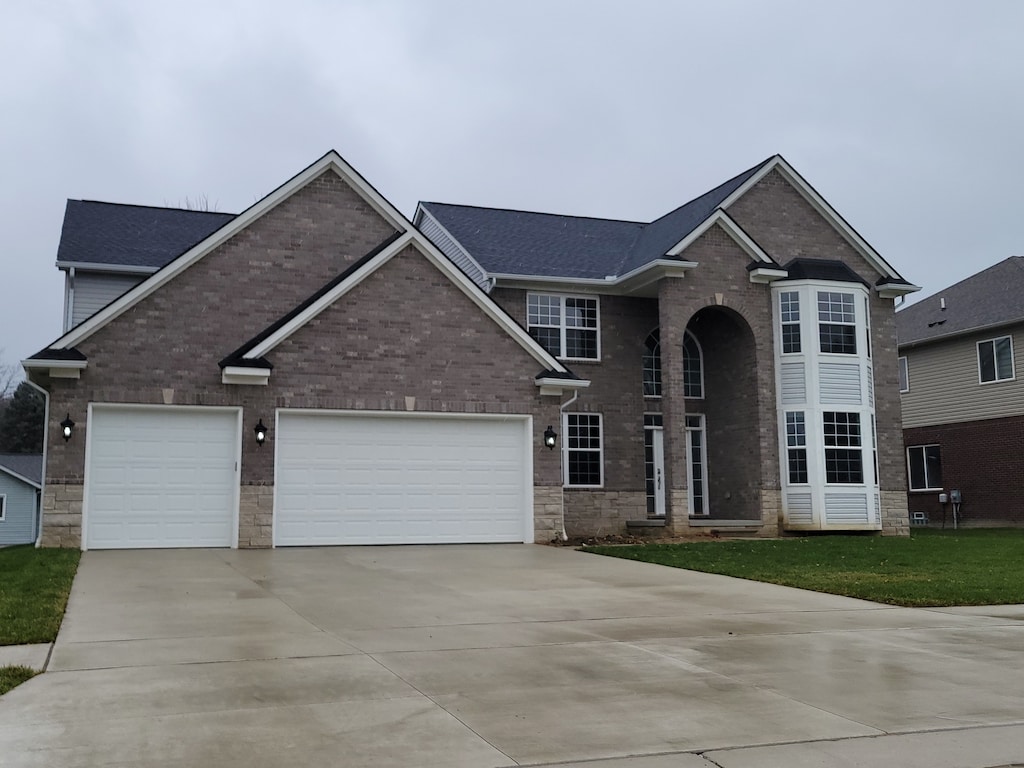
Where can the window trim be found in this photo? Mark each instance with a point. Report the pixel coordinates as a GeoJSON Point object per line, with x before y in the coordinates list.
{"type": "Point", "coordinates": [795, 446]}
{"type": "Point", "coordinates": [903, 374]}
{"type": "Point", "coordinates": [566, 449]}
{"type": "Point", "coordinates": [830, 321]}
{"type": "Point", "coordinates": [798, 323]}
{"type": "Point", "coordinates": [922, 447]}
{"type": "Point", "coordinates": [562, 328]}
{"type": "Point", "coordinates": [859, 447]}
{"type": "Point", "coordinates": [3, 507]}
{"type": "Point", "coordinates": [992, 341]}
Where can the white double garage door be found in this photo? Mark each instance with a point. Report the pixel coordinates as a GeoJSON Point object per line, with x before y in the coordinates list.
{"type": "Point", "coordinates": [169, 477]}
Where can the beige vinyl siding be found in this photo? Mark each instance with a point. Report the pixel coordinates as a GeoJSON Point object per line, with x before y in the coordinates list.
{"type": "Point", "coordinates": [93, 291]}
{"type": "Point", "coordinates": [944, 383]}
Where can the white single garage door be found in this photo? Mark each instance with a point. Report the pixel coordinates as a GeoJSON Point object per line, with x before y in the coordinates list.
{"type": "Point", "coordinates": [401, 479]}
{"type": "Point", "coordinates": [161, 477]}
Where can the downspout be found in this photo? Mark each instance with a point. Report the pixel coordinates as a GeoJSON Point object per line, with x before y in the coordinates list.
{"type": "Point", "coordinates": [561, 456]}
{"type": "Point", "coordinates": [46, 443]}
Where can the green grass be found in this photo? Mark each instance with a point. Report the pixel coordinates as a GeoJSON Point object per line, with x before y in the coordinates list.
{"type": "Point", "coordinates": [930, 568]}
{"type": "Point", "coordinates": [11, 677]}
{"type": "Point", "coordinates": [34, 588]}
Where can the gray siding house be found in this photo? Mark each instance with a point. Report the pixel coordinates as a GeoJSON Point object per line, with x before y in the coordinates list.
{"type": "Point", "coordinates": [962, 394]}
{"type": "Point", "coordinates": [321, 370]}
{"type": "Point", "coordinates": [20, 484]}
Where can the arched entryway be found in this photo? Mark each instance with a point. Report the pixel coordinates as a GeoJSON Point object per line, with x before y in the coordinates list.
{"type": "Point", "coordinates": [722, 423]}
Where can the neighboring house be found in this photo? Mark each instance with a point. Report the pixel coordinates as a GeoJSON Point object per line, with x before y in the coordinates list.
{"type": "Point", "coordinates": [318, 370]}
{"type": "Point", "coordinates": [962, 384]}
{"type": "Point", "coordinates": [20, 481]}
{"type": "Point", "coordinates": [106, 248]}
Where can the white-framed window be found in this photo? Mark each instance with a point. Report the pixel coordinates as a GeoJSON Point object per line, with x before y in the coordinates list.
{"type": "Point", "coordinates": [652, 364]}
{"type": "Point", "coordinates": [924, 467]}
{"type": "Point", "coordinates": [693, 367]}
{"type": "Point", "coordinates": [789, 311]}
{"type": "Point", "coordinates": [904, 375]}
{"type": "Point", "coordinates": [995, 360]}
{"type": "Point", "coordinates": [837, 323]}
{"type": "Point", "coordinates": [3, 507]}
{"type": "Point", "coordinates": [566, 326]}
{"type": "Point", "coordinates": [796, 447]}
{"type": "Point", "coordinates": [584, 451]}
{"type": "Point", "coordinates": [844, 462]}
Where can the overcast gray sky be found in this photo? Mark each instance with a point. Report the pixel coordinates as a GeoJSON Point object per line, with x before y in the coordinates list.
{"type": "Point", "coordinates": [907, 116]}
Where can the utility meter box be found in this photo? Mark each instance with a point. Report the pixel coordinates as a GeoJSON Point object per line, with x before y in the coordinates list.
{"type": "Point", "coordinates": [943, 498]}
{"type": "Point", "coordinates": [954, 496]}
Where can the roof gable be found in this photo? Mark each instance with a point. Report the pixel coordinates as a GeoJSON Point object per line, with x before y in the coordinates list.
{"type": "Point", "coordinates": [27, 467]}
{"type": "Point", "coordinates": [988, 299]}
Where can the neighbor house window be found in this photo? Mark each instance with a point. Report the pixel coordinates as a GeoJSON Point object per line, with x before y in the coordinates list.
{"type": "Point", "coordinates": [837, 324]}
{"type": "Point", "coordinates": [995, 359]}
{"type": "Point", "coordinates": [583, 460]}
{"type": "Point", "coordinates": [843, 460]}
{"type": "Point", "coordinates": [796, 446]}
{"type": "Point", "coordinates": [652, 364]}
{"type": "Point", "coordinates": [566, 326]}
{"type": "Point", "coordinates": [904, 375]}
{"type": "Point", "coordinates": [789, 310]}
{"type": "Point", "coordinates": [693, 370]}
{"type": "Point", "coordinates": [3, 507]}
{"type": "Point", "coordinates": [924, 467]}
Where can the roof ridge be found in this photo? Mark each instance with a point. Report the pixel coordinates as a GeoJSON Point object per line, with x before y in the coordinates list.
{"type": "Point", "coordinates": [149, 207]}
{"type": "Point", "coordinates": [536, 213]}
{"type": "Point", "coordinates": [747, 172]}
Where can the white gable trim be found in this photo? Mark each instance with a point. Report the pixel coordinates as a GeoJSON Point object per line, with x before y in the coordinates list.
{"type": "Point", "coordinates": [422, 213]}
{"type": "Point", "coordinates": [819, 203]}
{"type": "Point", "coordinates": [95, 266]}
{"type": "Point", "coordinates": [331, 161]}
{"type": "Point", "coordinates": [16, 476]}
{"type": "Point", "coordinates": [445, 266]}
{"type": "Point", "coordinates": [726, 222]}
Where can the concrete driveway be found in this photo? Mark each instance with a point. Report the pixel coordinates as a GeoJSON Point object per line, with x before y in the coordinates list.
{"type": "Point", "coordinates": [502, 655]}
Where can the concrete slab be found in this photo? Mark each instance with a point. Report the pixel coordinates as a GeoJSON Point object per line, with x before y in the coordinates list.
{"type": "Point", "coordinates": [488, 656]}
{"type": "Point", "coordinates": [32, 656]}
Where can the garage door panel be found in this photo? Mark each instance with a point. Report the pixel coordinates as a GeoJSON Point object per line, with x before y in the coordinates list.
{"type": "Point", "coordinates": [352, 479]}
{"type": "Point", "coordinates": [161, 477]}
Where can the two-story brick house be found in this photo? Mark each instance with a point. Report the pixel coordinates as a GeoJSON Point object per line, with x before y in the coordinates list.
{"type": "Point", "coordinates": [961, 355]}
{"type": "Point", "coordinates": [317, 370]}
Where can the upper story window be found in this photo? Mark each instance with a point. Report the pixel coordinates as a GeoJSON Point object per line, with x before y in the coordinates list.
{"type": "Point", "coordinates": [566, 326]}
{"type": "Point", "coordinates": [652, 364]}
{"type": "Point", "coordinates": [995, 359]}
{"type": "Point", "coordinates": [904, 375]}
{"type": "Point", "coordinates": [789, 310]}
{"type": "Point", "coordinates": [837, 323]}
{"type": "Point", "coordinates": [693, 368]}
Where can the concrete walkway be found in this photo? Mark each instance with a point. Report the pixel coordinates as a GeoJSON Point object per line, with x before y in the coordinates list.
{"type": "Point", "coordinates": [503, 655]}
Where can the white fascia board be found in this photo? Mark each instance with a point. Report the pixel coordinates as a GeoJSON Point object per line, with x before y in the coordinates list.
{"type": "Point", "coordinates": [329, 298]}
{"type": "Point", "coordinates": [240, 374]}
{"type": "Point", "coordinates": [734, 230]}
{"type": "Point", "coordinates": [418, 217]}
{"type": "Point", "coordinates": [331, 161]}
{"type": "Point", "coordinates": [56, 369]}
{"type": "Point", "coordinates": [23, 479]}
{"type": "Point", "coordinates": [621, 284]}
{"type": "Point", "coordinates": [92, 266]}
{"type": "Point", "coordinates": [557, 386]}
{"type": "Point", "coordinates": [819, 203]}
{"type": "Point", "coordinates": [895, 290]}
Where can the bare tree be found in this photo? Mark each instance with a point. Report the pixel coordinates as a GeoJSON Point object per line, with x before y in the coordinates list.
{"type": "Point", "coordinates": [10, 376]}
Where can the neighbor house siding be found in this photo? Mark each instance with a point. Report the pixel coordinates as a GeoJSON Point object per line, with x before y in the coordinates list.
{"type": "Point", "coordinates": [93, 291]}
{"type": "Point", "coordinates": [18, 525]}
{"type": "Point", "coordinates": [944, 383]}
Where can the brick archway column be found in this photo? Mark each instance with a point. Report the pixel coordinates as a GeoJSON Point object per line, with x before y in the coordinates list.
{"type": "Point", "coordinates": [674, 312]}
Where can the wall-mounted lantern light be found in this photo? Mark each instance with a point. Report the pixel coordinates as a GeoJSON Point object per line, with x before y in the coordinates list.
{"type": "Point", "coordinates": [67, 427]}
{"type": "Point", "coordinates": [261, 433]}
{"type": "Point", "coordinates": [549, 437]}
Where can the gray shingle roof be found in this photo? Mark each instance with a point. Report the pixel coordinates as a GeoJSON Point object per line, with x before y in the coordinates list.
{"type": "Point", "coordinates": [992, 297]}
{"type": "Point", "coordinates": [132, 235]}
{"type": "Point", "coordinates": [523, 243]}
{"type": "Point", "coordinates": [28, 465]}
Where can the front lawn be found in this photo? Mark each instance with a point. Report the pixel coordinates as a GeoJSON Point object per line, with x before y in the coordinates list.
{"type": "Point", "coordinates": [34, 588]}
{"type": "Point", "coordinates": [930, 568]}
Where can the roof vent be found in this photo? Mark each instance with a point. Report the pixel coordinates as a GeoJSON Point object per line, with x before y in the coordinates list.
{"type": "Point", "coordinates": [942, 304]}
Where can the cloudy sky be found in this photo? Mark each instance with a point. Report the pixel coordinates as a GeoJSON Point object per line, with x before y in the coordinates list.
{"type": "Point", "coordinates": [908, 116]}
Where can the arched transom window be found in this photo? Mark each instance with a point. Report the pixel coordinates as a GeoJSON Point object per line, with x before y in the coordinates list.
{"type": "Point", "coordinates": [693, 368]}
{"type": "Point", "coordinates": [652, 364]}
